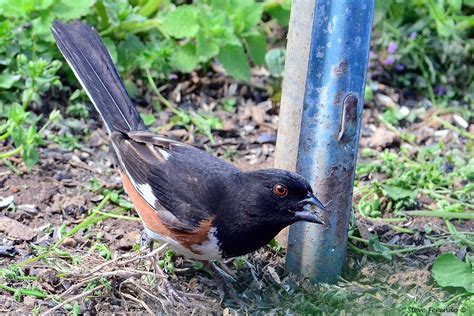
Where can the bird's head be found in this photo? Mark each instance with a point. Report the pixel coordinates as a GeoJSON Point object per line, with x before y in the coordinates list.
{"type": "Point", "coordinates": [283, 196]}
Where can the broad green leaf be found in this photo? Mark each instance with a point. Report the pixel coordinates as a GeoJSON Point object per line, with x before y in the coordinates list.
{"type": "Point", "coordinates": [234, 61]}
{"type": "Point", "coordinates": [397, 193]}
{"type": "Point", "coordinates": [275, 60]}
{"type": "Point", "coordinates": [256, 47]}
{"type": "Point", "coordinates": [18, 136]}
{"type": "Point", "coordinates": [281, 14]}
{"type": "Point", "coordinates": [29, 155]}
{"type": "Point", "coordinates": [448, 270]}
{"type": "Point", "coordinates": [7, 80]}
{"type": "Point", "coordinates": [182, 22]}
{"type": "Point", "coordinates": [42, 26]}
{"type": "Point", "coordinates": [206, 48]}
{"type": "Point", "coordinates": [20, 8]}
{"type": "Point", "coordinates": [68, 10]}
{"type": "Point", "coordinates": [185, 59]}
{"type": "Point", "coordinates": [17, 114]}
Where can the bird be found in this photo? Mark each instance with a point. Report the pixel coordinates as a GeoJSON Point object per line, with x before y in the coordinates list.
{"type": "Point", "coordinates": [205, 208]}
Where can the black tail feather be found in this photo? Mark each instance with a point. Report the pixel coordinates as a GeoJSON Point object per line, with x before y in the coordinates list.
{"type": "Point", "coordinates": [88, 57]}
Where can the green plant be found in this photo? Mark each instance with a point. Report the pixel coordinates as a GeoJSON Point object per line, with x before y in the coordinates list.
{"type": "Point", "coordinates": [408, 177]}
{"type": "Point", "coordinates": [166, 262]}
{"type": "Point", "coordinates": [427, 46]}
{"type": "Point", "coordinates": [449, 271]}
{"type": "Point", "coordinates": [141, 35]}
{"type": "Point", "coordinates": [21, 128]}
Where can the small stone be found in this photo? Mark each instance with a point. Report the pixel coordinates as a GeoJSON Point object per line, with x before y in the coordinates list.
{"type": "Point", "coordinates": [127, 242]}
{"type": "Point", "coordinates": [16, 230]}
{"type": "Point", "coordinates": [441, 133]}
{"type": "Point", "coordinates": [459, 121]}
{"type": "Point", "coordinates": [29, 301]}
{"type": "Point", "coordinates": [69, 242]}
{"type": "Point", "coordinates": [385, 100]}
{"type": "Point", "coordinates": [4, 202]}
{"type": "Point", "coordinates": [28, 208]}
{"type": "Point", "coordinates": [381, 139]}
{"type": "Point", "coordinates": [404, 112]}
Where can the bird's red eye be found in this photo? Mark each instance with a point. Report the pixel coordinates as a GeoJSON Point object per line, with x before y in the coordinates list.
{"type": "Point", "coordinates": [280, 190]}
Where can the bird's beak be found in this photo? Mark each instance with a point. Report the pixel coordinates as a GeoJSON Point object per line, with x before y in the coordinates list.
{"type": "Point", "coordinates": [305, 213]}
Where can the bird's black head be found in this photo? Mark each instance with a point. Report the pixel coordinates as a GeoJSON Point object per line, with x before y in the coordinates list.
{"type": "Point", "coordinates": [282, 196]}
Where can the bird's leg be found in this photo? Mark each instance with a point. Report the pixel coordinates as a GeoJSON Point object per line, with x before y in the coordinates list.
{"type": "Point", "coordinates": [222, 280]}
{"type": "Point", "coordinates": [172, 295]}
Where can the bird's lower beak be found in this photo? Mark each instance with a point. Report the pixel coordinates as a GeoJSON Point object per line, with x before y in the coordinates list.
{"type": "Point", "coordinates": [305, 212]}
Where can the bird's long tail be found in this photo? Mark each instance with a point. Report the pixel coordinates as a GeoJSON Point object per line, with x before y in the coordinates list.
{"type": "Point", "coordinates": [88, 57]}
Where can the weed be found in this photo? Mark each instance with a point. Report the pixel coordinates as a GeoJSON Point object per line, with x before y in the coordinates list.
{"type": "Point", "coordinates": [229, 104]}
{"type": "Point", "coordinates": [140, 35]}
{"type": "Point", "coordinates": [21, 127]}
{"type": "Point", "coordinates": [240, 262]}
{"type": "Point", "coordinates": [428, 38]}
{"type": "Point", "coordinates": [166, 262]}
{"type": "Point", "coordinates": [408, 177]}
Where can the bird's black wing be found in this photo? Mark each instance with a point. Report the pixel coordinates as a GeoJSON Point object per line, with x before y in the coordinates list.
{"type": "Point", "coordinates": [183, 184]}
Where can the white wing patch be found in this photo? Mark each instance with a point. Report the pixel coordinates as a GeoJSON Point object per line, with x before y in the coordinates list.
{"type": "Point", "coordinates": [166, 155]}
{"type": "Point", "coordinates": [146, 192]}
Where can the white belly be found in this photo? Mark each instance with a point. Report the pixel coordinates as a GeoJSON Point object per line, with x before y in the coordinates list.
{"type": "Point", "coordinates": [208, 250]}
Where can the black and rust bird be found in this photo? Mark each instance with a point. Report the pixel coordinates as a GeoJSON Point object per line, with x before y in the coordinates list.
{"type": "Point", "coordinates": [203, 207]}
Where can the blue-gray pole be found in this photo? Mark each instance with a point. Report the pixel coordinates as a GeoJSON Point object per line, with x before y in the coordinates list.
{"type": "Point", "coordinates": [329, 133]}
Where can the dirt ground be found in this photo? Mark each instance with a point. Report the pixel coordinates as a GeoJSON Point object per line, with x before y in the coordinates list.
{"type": "Point", "coordinates": [100, 267]}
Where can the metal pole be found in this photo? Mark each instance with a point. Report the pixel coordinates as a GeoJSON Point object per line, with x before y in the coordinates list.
{"type": "Point", "coordinates": [329, 134]}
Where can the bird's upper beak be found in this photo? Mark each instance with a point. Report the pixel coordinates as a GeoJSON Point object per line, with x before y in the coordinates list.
{"type": "Point", "coordinates": [304, 212]}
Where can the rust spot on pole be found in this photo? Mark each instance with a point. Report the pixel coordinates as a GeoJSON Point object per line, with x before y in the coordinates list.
{"type": "Point", "coordinates": [349, 119]}
{"type": "Point", "coordinates": [341, 68]}
{"type": "Point", "coordinates": [338, 98]}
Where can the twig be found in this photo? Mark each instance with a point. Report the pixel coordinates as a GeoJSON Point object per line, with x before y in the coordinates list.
{"type": "Point", "coordinates": [136, 300]}
{"type": "Point", "coordinates": [150, 254]}
{"type": "Point", "coordinates": [83, 294]}
{"type": "Point", "coordinates": [146, 292]}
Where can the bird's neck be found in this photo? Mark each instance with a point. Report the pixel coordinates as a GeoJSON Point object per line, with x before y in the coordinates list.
{"type": "Point", "coordinates": [246, 236]}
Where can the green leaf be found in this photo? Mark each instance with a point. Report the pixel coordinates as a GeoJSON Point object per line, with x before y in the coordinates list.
{"type": "Point", "coordinates": [275, 60]}
{"type": "Point", "coordinates": [185, 59]}
{"type": "Point", "coordinates": [235, 62]}
{"type": "Point", "coordinates": [30, 156]}
{"type": "Point", "coordinates": [18, 136]}
{"type": "Point", "coordinates": [281, 14]}
{"type": "Point", "coordinates": [378, 247]}
{"type": "Point", "coordinates": [17, 114]}
{"type": "Point", "coordinates": [7, 80]}
{"type": "Point", "coordinates": [110, 44]}
{"type": "Point", "coordinates": [68, 10]}
{"type": "Point", "coordinates": [256, 47]}
{"type": "Point", "coordinates": [182, 22]}
{"type": "Point", "coordinates": [448, 270]}
{"type": "Point", "coordinates": [148, 119]}
{"type": "Point", "coordinates": [206, 48]}
{"type": "Point", "coordinates": [381, 9]}
{"type": "Point", "coordinates": [396, 193]}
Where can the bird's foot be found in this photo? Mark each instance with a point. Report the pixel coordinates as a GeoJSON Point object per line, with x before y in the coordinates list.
{"type": "Point", "coordinates": [173, 295]}
{"type": "Point", "coordinates": [168, 291]}
{"type": "Point", "coordinates": [223, 278]}
{"type": "Point", "coordinates": [146, 242]}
